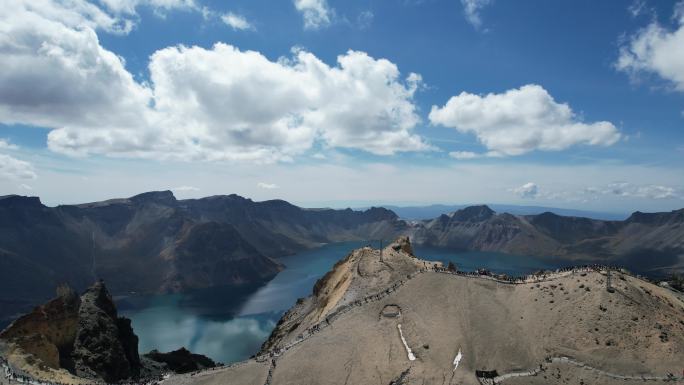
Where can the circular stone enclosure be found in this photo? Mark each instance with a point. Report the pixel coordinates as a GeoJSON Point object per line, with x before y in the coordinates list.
{"type": "Point", "coordinates": [391, 311]}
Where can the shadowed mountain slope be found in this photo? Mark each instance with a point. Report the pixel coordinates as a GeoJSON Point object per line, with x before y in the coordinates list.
{"type": "Point", "coordinates": [154, 243]}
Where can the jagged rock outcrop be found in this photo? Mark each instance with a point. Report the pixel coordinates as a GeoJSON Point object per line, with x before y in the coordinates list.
{"type": "Point", "coordinates": [86, 337]}
{"type": "Point", "coordinates": [403, 243]}
{"type": "Point", "coordinates": [82, 335]}
{"type": "Point", "coordinates": [99, 350]}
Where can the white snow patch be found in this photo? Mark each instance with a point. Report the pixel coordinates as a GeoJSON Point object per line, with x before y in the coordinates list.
{"type": "Point", "coordinates": [411, 357]}
{"type": "Point", "coordinates": [457, 359]}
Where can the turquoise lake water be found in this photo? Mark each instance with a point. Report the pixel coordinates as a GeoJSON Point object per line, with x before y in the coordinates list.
{"type": "Point", "coordinates": [229, 324]}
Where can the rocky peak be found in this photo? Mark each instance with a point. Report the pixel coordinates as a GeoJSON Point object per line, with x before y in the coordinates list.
{"type": "Point", "coordinates": [67, 294]}
{"type": "Point", "coordinates": [403, 243]}
{"type": "Point", "coordinates": [20, 201]}
{"type": "Point", "coordinates": [473, 214]}
{"type": "Point", "coordinates": [656, 218]}
{"type": "Point", "coordinates": [158, 197]}
{"type": "Point", "coordinates": [380, 213]}
{"type": "Point", "coordinates": [99, 351]}
{"type": "Point", "coordinates": [97, 296]}
{"type": "Point", "coordinates": [85, 336]}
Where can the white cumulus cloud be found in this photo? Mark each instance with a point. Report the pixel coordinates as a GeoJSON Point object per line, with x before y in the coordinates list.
{"type": "Point", "coordinates": [219, 103]}
{"type": "Point", "coordinates": [521, 120]}
{"type": "Point", "coordinates": [316, 13]}
{"type": "Point", "coordinates": [56, 74]}
{"type": "Point", "coordinates": [528, 190]}
{"type": "Point", "coordinates": [656, 50]}
{"type": "Point", "coordinates": [237, 22]}
{"type": "Point", "coordinates": [13, 168]}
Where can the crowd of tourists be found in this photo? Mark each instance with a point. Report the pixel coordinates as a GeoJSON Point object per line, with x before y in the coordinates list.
{"type": "Point", "coordinates": [541, 275]}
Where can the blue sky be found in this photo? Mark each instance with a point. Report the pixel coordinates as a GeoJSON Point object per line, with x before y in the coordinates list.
{"type": "Point", "coordinates": [576, 104]}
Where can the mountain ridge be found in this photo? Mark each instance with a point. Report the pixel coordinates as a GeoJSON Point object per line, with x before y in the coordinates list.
{"type": "Point", "coordinates": [147, 243]}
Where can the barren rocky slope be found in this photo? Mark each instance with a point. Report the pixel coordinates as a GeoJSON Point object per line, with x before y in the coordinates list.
{"type": "Point", "coordinates": [562, 328]}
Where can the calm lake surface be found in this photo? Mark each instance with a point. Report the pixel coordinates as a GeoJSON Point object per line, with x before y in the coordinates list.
{"type": "Point", "coordinates": [229, 324]}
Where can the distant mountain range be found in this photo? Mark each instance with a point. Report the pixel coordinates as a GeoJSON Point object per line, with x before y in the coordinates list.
{"type": "Point", "coordinates": [432, 211]}
{"type": "Point", "coordinates": [153, 242]}
{"type": "Point", "coordinates": [645, 242]}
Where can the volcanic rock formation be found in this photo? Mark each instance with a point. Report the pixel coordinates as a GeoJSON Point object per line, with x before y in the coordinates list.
{"type": "Point", "coordinates": [86, 337]}
{"type": "Point", "coordinates": [83, 335]}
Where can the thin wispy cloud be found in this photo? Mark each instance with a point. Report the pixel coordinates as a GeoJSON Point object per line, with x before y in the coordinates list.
{"type": "Point", "coordinates": [267, 186]}
{"type": "Point", "coordinates": [237, 22]}
{"type": "Point", "coordinates": [315, 13]}
{"type": "Point", "coordinates": [472, 11]}
{"type": "Point", "coordinates": [185, 189]}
